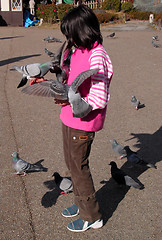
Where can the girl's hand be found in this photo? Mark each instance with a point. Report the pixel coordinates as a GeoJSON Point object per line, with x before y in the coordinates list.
{"type": "Point", "coordinates": [61, 102]}
{"type": "Point", "coordinates": [36, 80]}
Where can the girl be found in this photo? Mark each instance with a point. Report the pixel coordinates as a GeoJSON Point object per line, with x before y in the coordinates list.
{"type": "Point", "coordinates": [82, 31]}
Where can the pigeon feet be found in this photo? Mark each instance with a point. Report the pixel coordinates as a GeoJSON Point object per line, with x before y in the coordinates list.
{"type": "Point", "coordinates": [20, 174]}
{"type": "Point", "coordinates": [63, 193]}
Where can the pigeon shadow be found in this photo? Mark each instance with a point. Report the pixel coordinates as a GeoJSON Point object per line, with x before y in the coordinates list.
{"type": "Point", "coordinates": [111, 194]}
{"type": "Point", "coordinates": [50, 198]}
{"type": "Point", "coordinates": [16, 59]}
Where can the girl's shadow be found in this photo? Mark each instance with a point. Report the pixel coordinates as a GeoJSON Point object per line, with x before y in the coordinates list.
{"type": "Point", "coordinates": [110, 195]}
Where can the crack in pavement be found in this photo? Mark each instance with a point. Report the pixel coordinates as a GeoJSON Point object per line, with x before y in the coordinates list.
{"type": "Point", "coordinates": [16, 143]}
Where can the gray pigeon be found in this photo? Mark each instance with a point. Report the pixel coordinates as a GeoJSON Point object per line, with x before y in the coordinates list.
{"type": "Point", "coordinates": [61, 68]}
{"type": "Point", "coordinates": [135, 102]}
{"type": "Point", "coordinates": [63, 183]}
{"type": "Point", "coordinates": [133, 158]}
{"type": "Point", "coordinates": [155, 44]}
{"type": "Point", "coordinates": [111, 35]}
{"type": "Point", "coordinates": [155, 38]}
{"type": "Point", "coordinates": [22, 167]}
{"type": "Point", "coordinates": [57, 90]}
{"type": "Point", "coordinates": [79, 106]}
{"type": "Point", "coordinates": [33, 70]}
{"type": "Point", "coordinates": [118, 149]}
{"type": "Point", "coordinates": [51, 39]}
{"type": "Point", "coordinates": [122, 178]}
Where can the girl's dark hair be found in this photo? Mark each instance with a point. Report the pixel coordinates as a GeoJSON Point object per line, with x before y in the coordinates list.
{"type": "Point", "coordinates": [81, 27]}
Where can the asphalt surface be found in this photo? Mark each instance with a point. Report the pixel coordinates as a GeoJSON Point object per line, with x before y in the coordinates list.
{"type": "Point", "coordinates": [30, 206]}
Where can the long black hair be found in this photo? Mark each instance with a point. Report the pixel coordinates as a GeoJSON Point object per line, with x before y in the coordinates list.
{"type": "Point", "coordinates": [81, 27]}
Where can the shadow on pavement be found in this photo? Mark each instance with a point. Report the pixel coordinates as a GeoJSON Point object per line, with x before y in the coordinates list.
{"type": "Point", "coordinates": [110, 195]}
{"type": "Point", "coordinates": [16, 59]}
{"type": "Point", "coordinates": [4, 38]}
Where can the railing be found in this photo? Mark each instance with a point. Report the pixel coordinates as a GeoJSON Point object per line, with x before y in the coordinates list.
{"type": "Point", "coordinates": [92, 4]}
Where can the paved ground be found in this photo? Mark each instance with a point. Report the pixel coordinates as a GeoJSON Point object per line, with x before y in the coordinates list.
{"type": "Point", "coordinates": [31, 126]}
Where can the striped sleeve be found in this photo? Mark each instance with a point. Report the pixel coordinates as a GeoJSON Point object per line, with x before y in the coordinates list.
{"type": "Point", "coordinates": [98, 96]}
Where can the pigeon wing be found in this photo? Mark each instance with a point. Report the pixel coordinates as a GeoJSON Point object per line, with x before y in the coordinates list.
{"type": "Point", "coordinates": [32, 70]}
{"type": "Point", "coordinates": [130, 182]}
{"type": "Point", "coordinates": [66, 185]}
{"type": "Point", "coordinates": [81, 77]}
{"type": "Point", "coordinates": [21, 166]}
{"type": "Point", "coordinates": [57, 59]}
{"type": "Point", "coordinates": [39, 89]}
{"type": "Point", "coordinates": [49, 53]}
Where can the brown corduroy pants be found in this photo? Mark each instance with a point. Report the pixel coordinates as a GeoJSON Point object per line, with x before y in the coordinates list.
{"type": "Point", "coordinates": [77, 146]}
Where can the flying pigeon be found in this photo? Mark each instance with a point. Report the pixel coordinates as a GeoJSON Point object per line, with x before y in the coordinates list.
{"type": "Point", "coordinates": [155, 38]}
{"type": "Point", "coordinates": [111, 35]}
{"type": "Point", "coordinates": [23, 167]}
{"type": "Point", "coordinates": [57, 90]}
{"type": "Point", "coordinates": [51, 39]}
{"type": "Point", "coordinates": [133, 158]}
{"type": "Point", "coordinates": [63, 183]}
{"type": "Point", "coordinates": [118, 149]}
{"type": "Point", "coordinates": [38, 70]}
{"type": "Point", "coordinates": [135, 102]}
{"type": "Point", "coordinates": [155, 44]}
{"type": "Point", "coordinates": [121, 177]}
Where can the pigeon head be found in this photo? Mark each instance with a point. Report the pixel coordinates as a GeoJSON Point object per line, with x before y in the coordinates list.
{"type": "Point", "coordinates": [113, 164]}
{"type": "Point", "coordinates": [127, 149]}
{"type": "Point", "coordinates": [14, 154]}
{"type": "Point", "coordinates": [114, 142]}
{"type": "Point", "coordinates": [134, 99]}
{"type": "Point", "coordinates": [56, 175]}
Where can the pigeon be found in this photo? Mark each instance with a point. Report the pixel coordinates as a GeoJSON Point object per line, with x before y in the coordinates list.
{"type": "Point", "coordinates": [121, 177]}
{"type": "Point", "coordinates": [118, 149]}
{"type": "Point", "coordinates": [59, 91]}
{"type": "Point", "coordinates": [133, 158]}
{"type": "Point", "coordinates": [61, 68]}
{"type": "Point", "coordinates": [51, 39]}
{"type": "Point", "coordinates": [55, 89]}
{"type": "Point", "coordinates": [135, 102]}
{"type": "Point", "coordinates": [63, 183]}
{"type": "Point", "coordinates": [23, 167]}
{"type": "Point", "coordinates": [38, 70]}
{"type": "Point", "coordinates": [111, 35]}
{"type": "Point", "coordinates": [155, 44]}
{"type": "Point", "coordinates": [155, 38]}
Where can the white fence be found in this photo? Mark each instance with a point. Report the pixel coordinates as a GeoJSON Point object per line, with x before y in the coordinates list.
{"type": "Point", "coordinates": [92, 4]}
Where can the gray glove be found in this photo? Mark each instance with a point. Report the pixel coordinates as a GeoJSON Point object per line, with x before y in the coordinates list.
{"type": "Point", "coordinates": [79, 106]}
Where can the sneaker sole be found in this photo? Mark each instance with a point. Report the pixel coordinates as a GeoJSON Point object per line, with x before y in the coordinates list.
{"type": "Point", "coordinates": [94, 226]}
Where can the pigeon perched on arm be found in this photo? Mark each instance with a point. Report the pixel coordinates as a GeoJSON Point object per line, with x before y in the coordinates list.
{"type": "Point", "coordinates": [51, 39]}
{"type": "Point", "coordinates": [38, 70]}
{"type": "Point", "coordinates": [63, 183]}
{"type": "Point", "coordinates": [61, 67]}
{"type": "Point", "coordinates": [122, 178]}
{"type": "Point", "coordinates": [59, 91]}
{"type": "Point", "coordinates": [23, 167]}
{"type": "Point", "coordinates": [133, 158]}
{"type": "Point", "coordinates": [135, 102]}
{"type": "Point", "coordinates": [118, 149]}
